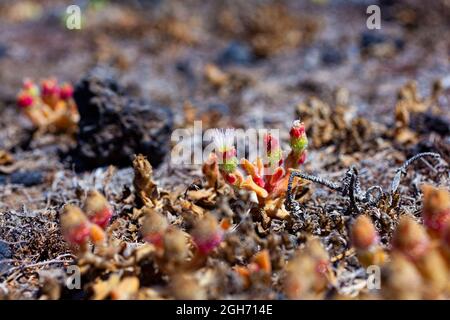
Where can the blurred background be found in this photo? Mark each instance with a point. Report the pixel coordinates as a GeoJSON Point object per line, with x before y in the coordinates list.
{"type": "Point", "coordinates": [277, 52]}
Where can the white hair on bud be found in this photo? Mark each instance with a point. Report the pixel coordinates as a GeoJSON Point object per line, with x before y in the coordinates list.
{"type": "Point", "coordinates": [223, 139]}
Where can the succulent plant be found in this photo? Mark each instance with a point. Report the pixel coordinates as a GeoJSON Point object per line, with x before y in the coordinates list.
{"type": "Point", "coordinates": [79, 226]}
{"type": "Point", "coordinates": [266, 184]}
{"type": "Point", "coordinates": [97, 209]}
{"type": "Point", "coordinates": [75, 226]}
{"type": "Point", "coordinates": [436, 208]}
{"type": "Point", "coordinates": [366, 241]}
{"type": "Point", "coordinates": [153, 227]}
{"type": "Point", "coordinates": [50, 106]}
{"type": "Point", "coordinates": [207, 234]}
{"type": "Point", "coordinates": [306, 274]}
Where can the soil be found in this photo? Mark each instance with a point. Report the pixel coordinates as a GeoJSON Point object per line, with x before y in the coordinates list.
{"type": "Point", "coordinates": [159, 52]}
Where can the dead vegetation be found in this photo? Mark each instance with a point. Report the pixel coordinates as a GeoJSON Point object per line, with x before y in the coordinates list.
{"type": "Point", "coordinates": [108, 200]}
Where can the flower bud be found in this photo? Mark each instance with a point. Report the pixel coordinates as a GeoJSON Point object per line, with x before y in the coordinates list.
{"type": "Point", "coordinates": [25, 100]}
{"type": "Point", "coordinates": [153, 228]}
{"type": "Point", "coordinates": [363, 233]}
{"type": "Point", "coordinates": [75, 227]}
{"type": "Point", "coordinates": [66, 91]}
{"type": "Point", "coordinates": [306, 273]}
{"type": "Point", "coordinates": [175, 245]}
{"type": "Point", "coordinates": [234, 179]}
{"type": "Point", "coordinates": [410, 238]}
{"type": "Point", "coordinates": [436, 208]}
{"type": "Point", "coordinates": [98, 209]}
{"type": "Point", "coordinates": [401, 279]}
{"type": "Point", "coordinates": [365, 239]}
{"type": "Point", "coordinates": [299, 141]}
{"type": "Point", "coordinates": [50, 93]}
{"type": "Point", "coordinates": [207, 234]}
{"type": "Point", "coordinates": [30, 87]}
{"type": "Point", "coordinates": [49, 87]}
{"type": "Point", "coordinates": [225, 150]}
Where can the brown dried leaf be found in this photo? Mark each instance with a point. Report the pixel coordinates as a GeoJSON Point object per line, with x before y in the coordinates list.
{"type": "Point", "coordinates": [145, 188]}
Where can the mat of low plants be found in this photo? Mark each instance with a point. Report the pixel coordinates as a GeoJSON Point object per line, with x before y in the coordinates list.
{"type": "Point", "coordinates": [122, 174]}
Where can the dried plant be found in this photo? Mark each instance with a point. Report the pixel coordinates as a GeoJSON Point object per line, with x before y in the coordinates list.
{"type": "Point", "coordinates": [351, 187]}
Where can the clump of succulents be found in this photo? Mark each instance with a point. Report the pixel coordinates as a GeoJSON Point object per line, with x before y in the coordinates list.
{"type": "Point", "coordinates": [307, 274]}
{"type": "Point", "coordinates": [417, 264]}
{"type": "Point", "coordinates": [49, 106]}
{"type": "Point", "coordinates": [265, 184]}
{"type": "Point", "coordinates": [79, 226]}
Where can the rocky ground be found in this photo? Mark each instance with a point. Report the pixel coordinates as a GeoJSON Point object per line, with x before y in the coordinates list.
{"type": "Point", "coordinates": [368, 98]}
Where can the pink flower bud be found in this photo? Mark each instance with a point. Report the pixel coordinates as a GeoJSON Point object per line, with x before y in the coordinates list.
{"type": "Point", "coordinates": [230, 178]}
{"type": "Point", "coordinates": [28, 84]}
{"type": "Point", "coordinates": [176, 248]}
{"type": "Point", "coordinates": [66, 91]}
{"type": "Point", "coordinates": [25, 100]}
{"type": "Point", "coordinates": [363, 233]}
{"type": "Point", "coordinates": [49, 87]}
{"type": "Point", "coordinates": [75, 227]}
{"type": "Point", "coordinates": [98, 209]}
{"type": "Point", "coordinates": [153, 227]}
{"type": "Point", "coordinates": [298, 143]}
{"type": "Point", "coordinates": [297, 130]}
{"type": "Point", "coordinates": [410, 238]}
{"type": "Point", "coordinates": [436, 208]}
{"type": "Point", "coordinates": [207, 234]}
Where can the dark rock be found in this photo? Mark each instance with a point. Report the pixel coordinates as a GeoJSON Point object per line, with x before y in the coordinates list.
{"type": "Point", "coordinates": [114, 127]}
{"type": "Point", "coordinates": [184, 66]}
{"type": "Point", "coordinates": [236, 53]}
{"type": "Point", "coordinates": [25, 178]}
{"type": "Point", "coordinates": [371, 39]}
{"type": "Point", "coordinates": [429, 122]}
{"type": "Point", "coordinates": [310, 86]}
{"type": "Point", "coordinates": [332, 56]}
{"type": "Point", "coordinates": [399, 44]}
